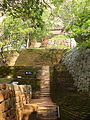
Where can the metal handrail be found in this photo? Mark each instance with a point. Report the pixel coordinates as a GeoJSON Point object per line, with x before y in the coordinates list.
{"type": "Point", "coordinates": [58, 112]}
{"type": "Point", "coordinates": [37, 113]}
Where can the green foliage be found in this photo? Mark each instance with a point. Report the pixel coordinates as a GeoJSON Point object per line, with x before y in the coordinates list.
{"type": "Point", "coordinates": [84, 44]}
{"type": "Point", "coordinates": [5, 80]}
{"type": "Point", "coordinates": [57, 2]}
{"type": "Point", "coordinates": [75, 16]}
{"type": "Point", "coordinates": [28, 21]}
{"type": "Point", "coordinates": [59, 37]}
{"type": "Point", "coordinates": [26, 9]}
{"type": "Point", "coordinates": [14, 32]}
{"type": "Point", "coordinates": [46, 18]}
{"type": "Point", "coordinates": [58, 47]}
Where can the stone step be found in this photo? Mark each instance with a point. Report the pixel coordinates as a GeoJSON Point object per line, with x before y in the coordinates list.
{"type": "Point", "coordinates": [44, 95]}
{"type": "Point", "coordinates": [47, 112]}
{"type": "Point", "coordinates": [45, 87]}
{"type": "Point", "coordinates": [45, 90]}
{"type": "Point", "coordinates": [48, 117]}
{"type": "Point", "coordinates": [45, 84]}
{"type": "Point", "coordinates": [45, 80]}
{"type": "Point", "coordinates": [47, 106]}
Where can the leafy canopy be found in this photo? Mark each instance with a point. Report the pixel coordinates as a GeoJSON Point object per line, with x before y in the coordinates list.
{"type": "Point", "coordinates": [23, 21]}
{"type": "Point", "coordinates": [14, 31]}
{"type": "Point", "coordinates": [75, 16]}
{"type": "Point", "coordinates": [26, 9]}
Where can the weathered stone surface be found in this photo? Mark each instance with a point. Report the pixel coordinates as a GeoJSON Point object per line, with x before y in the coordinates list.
{"type": "Point", "coordinates": [2, 107]}
{"type": "Point", "coordinates": [2, 86]}
{"type": "Point", "coordinates": [3, 116]}
{"type": "Point", "coordinates": [45, 82]}
{"type": "Point", "coordinates": [77, 62]}
{"type": "Point", "coordinates": [1, 96]}
{"type": "Point", "coordinates": [66, 42]}
{"type": "Point", "coordinates": [12, 100]}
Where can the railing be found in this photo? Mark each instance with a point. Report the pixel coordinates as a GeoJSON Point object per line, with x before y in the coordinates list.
{"type": "Point", "coordinates": [58, 112]}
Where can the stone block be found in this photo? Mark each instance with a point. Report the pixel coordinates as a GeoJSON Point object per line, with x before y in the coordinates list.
{"type": "Point", "coordinates": [15, 118]}
{"type": "Point", "coordinates": [3, 116]}
{"type": "Point", "coordinates": [5, 94]}
{"type": "Point", "coordinates": [2, 107]}
{"type": "Point", "coordinates": [2, 86]}
{"type": "Point", "coordinates": [1, 96]}
{"type": "Point", "coordinates": [17, 93]}
{"type": "Point", "coordinates": [6, 104]}
{"type": "Point", "coordinates": [16, 87]}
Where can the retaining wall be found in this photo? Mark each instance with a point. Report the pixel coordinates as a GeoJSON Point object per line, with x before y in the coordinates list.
{"type": "Point", "coordinates": [70, 43]}
{"type": "Point", "coordinates": [77, 62]}
{"type": "Point", "coordinates": [12, 100]}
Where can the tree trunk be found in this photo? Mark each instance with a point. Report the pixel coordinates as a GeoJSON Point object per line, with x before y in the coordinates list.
{"type": "Point", "coordinates": [27, 44]}
{"type": "Point", "coordinates": [2, 55]}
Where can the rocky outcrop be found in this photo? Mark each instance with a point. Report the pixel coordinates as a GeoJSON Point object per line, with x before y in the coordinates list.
{"type": "Point", "coordinates": [77, 62]}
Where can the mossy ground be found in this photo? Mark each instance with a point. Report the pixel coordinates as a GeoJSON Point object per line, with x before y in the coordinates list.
{"type": "Point", "coordinates": [30, 60]}
{"type": "Point", "coordinates": [33, 57]}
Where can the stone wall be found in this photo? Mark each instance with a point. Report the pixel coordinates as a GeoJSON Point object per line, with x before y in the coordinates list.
{"type": "Point", "coordinates": [70, 43]}
{"type": "Point", "coordinates": [12, 100]}
{"type": "Point", "coordinates": [77, 62]}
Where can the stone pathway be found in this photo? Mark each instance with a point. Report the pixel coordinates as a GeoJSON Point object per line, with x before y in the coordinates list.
{"type": "Point", "coordinates": [31, 109]}
{"type": "Point", "coordinates": [42, 108]}
{"type": "Point", "coordinates": [45, 82]}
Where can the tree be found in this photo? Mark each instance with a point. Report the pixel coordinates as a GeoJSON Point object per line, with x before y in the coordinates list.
{"type": "Point", "coordinates": [24, 22]}
{"type": "Point", "coordinates": [75, 16]}
{"type": "Point", "coordinates": [13, 33]}
{"type": "Point", "coordinates": [26, 9]}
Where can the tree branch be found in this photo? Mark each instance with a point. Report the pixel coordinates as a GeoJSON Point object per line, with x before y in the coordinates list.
{"type": "Point", "coordinates": [47, 4]}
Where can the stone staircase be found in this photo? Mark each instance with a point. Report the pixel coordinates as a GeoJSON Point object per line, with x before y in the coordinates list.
{"type": "Point", "coordinates": [46, 111]}
{"type": "Point", "coordinates": [49, 112]}
{"type": "Point", "coordinates": [43, 108]}
{"type": "Point", "coordinates": [45, 82]}
{"type": "Point", "coordinates": [45, 92]}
